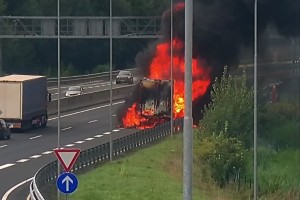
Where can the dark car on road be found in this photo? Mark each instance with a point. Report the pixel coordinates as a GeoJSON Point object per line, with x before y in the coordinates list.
{"type": "Point", "coordinates": [124, 77]}
{"type": "Point", "coordinates": [4, 130]}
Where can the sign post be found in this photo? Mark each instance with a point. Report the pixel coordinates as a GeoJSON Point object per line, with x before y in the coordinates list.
{"type": "Point", "coordinates": [67, 182]}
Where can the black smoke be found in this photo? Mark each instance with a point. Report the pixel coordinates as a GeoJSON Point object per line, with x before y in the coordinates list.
{"type": "Point", "coordinates": [222, 27]}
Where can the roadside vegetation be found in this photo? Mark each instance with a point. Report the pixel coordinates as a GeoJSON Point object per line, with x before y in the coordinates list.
{"type": "Point", "coordinates": [224, 142]}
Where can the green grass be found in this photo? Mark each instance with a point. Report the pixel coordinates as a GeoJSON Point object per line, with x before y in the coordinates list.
{"type": "Point", "coordinates": [280, 175]}
{"type": "Point", "coordinates": [142, 175]}
{"type": "Point", "coordinates": [155, 173]}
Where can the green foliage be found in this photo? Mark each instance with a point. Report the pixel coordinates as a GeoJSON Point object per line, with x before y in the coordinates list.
{"type": "Point", "coordinates": [2, 7]}
{"type": "Point", "coordinates": [101, 68]}
{"type": "Point", "coordinates": [224, 156]}
{"type": "Point", "coordinates": [279, 125]}
{"type": "Point", "coordinates": [68, 70]}
{"type": "Point", "coordinates": [232, 103]}
{"type": "Point", "coordinates": [278, 171]}
{"type": "Point", "coordinates": [281, 172]}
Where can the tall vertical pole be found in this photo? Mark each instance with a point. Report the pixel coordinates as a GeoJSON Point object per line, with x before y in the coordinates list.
{"type": "Point", "coordinates": [188, 120]}
{"type": "Point", "coordinates": [255, 105]}
{"type": "Point", "coordinates": [172, 88]}
{"type": "Point", "coordinates": [110, 54]}
{"type": "Point", "coordinates": [58, 87]}
{"type": "Point", "coordinates": [1, 60]}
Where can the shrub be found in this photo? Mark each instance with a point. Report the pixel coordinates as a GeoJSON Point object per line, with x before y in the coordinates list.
{"type": "Point", "coordinates": [232, 102]}
{"type": "Point", "coordinates": [224, 156]}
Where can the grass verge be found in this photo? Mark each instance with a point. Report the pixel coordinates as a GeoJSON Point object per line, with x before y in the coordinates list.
{"type": "Point", "coordinates": [155, 173]}
{"type": "Point", "coordinates": [141, 175]}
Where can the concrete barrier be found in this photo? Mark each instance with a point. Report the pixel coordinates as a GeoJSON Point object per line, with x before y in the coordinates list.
{"type": "Point", "coordinates": [90, 78]}
{"type": "Point", "coordinates": [89, 99]}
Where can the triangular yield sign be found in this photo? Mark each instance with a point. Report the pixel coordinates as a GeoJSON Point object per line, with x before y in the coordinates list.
{"type": "Point", "coordinates": [67, 157]}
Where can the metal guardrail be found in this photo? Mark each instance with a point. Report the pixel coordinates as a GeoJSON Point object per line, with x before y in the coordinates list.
{"type": "Point", "coordinates": [81, 79]}
{"type": "Point", "coordinates": [99, 155]}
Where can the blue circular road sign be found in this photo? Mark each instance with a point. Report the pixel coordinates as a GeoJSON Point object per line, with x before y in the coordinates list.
{"type": "Point", "coordinates": [67, 183]}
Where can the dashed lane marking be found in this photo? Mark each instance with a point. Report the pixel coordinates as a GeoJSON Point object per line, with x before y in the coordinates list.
{"type": "Point", "coordinates": [68, 128]}
{"type": "Point", "coordinates": [89, 139]}
{"type": "Point", "coordinates": [116, 130]}
{"type": "Point", "coordinates": [106, 133]}
{"type": "Point", "coordinates": [93, 121]}
{"type": "Point", "coordinates": [69, 145]}
{"type": "Point", "coordinates": [114, 115]}
{"type": "Point", "coordinates": [35, 156]}
{"type": "Point", "coordinates": [22, 160]}
{"type": "Point", "coordinates": [35, 137]}
{"type": "Point", "coordinates": [79, 142]}
{"type": "Point", "coordinates": [98, 136]}
{"type": "Point", "coordinates": [87, 110]}
{"type": "Point", "coordinates": [47, 152]}
{"type": "Point", "coordinates": [6, 165]}
{"type": "Point", "coordinates": [3, 146]}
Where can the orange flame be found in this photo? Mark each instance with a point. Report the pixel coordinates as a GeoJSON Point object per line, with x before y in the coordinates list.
{"type": "Point", "coordinates": [160, 68]}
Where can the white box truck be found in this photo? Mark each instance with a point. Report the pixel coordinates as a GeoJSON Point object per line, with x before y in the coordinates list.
{"type": "Point", "coordinates": [23, 101]}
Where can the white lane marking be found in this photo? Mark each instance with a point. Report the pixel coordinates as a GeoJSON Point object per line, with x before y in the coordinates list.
{"type": "Point", "coordinates": [87, 110]}
{"type": "Point", "coordinates": [35, 137]}
{"type": "Point", "coordinates": [64, 129]}
{"type": "Point", "coordinates": [6, 165]}
{"type": "Point", "coordinates": [69, 145]}
{"type": "Point", "coordinates": [106, 133]}
{"type": "Point", "coordinates": [22, 160]}
{"type": "Point", "coordinates": [88, 139]}
{"type": "Point", "coordinates": [3, 146]}
{"type": "Point", "coordinates": [28, 197]}
{"type": "Point", "coordinates": [85, 84]}
{"type": "Point", "coordinates": [57, 148]}
{"type": "Point", "coordinates": [79, 142]}
{"type": "Point", "coordinates": [116, 130]}
{"type": "Point", "coordinates": [35, 156]}
{"type": "Point", "coordinates": [98, 136]}
{"type": "Point", "coordinates": [114, 115]}
{"type": "Point", "coordinates": [5, 196]}
{"type": "Point", "coordinates": [93, 121]}
{"type": "Point", "coordinates": [47, 152]}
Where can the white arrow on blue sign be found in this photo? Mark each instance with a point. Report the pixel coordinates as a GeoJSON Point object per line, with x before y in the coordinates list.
{"type": "Point", "coordinates": [67, 183]}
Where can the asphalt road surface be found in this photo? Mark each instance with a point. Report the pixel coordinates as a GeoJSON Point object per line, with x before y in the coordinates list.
{"type": "Point", "coordinates": [88, 87]}
{"type": "Point", "coordinates": [25, 153]}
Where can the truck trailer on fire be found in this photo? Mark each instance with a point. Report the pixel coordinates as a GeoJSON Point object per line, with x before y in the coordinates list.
{"type": "Point", "coordinates": [155, 99]}
{"type": "Point", "coordinates": [23, 101]}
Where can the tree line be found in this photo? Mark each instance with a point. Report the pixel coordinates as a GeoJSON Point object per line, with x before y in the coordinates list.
{"type": "Point", "coordinates": [78, 56]}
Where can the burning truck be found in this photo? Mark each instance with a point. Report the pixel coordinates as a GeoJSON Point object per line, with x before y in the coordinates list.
{"type": "Point", "coordinates": [153, 104]}
{"type": "Point", "coordinates": [155, 98]}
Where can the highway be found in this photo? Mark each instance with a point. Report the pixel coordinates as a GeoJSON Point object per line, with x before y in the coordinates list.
{"type": "Point", "coordinates": [88, 87]}
{"type": "Point", "coordinates": [25, 153]}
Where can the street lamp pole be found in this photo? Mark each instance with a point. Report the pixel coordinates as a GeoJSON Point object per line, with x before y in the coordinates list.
{"type": "Point", "coordinates": [110, 77]}
{"type": "Point", "coordinates": [188, 120]}
{"type": "Point", "coordinates": [58, 86]}
{"type": "Point", "coordinates": [172, 81]}
{"type": "Point", "coordinates": [255, 105]}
